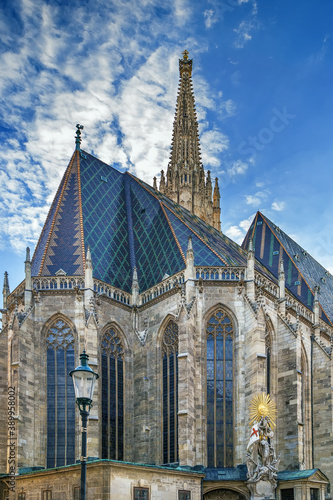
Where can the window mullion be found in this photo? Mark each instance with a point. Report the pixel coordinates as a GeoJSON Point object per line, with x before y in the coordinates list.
{"type": "Point", "coordinates": [224, 405]}
{"type": "Point", "coordinates": [215, 411]}
{"type": "Point", "coordinates": [109, 408]}
{"type": "Point", "coordinates": [55, 406]}
{"type": "Point", "coordinates": [168, 402]}
{"type": "Point", "coordinates": [65, 363]}
{"type": "Point", "coordinates": [116, 377]}
{"type": "Point", "coordinates": [175, 392]}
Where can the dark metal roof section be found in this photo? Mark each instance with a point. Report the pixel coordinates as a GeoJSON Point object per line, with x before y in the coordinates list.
{"type": "Point", "coordinates": [303, 273]}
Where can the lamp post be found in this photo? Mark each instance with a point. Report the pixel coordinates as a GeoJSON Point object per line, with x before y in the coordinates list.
{"type": "Point", "coordinates": [84, 379]}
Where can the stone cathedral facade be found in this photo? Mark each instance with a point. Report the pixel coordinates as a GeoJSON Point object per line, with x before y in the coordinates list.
{"type": "Point", "coordinates": [184, 327]}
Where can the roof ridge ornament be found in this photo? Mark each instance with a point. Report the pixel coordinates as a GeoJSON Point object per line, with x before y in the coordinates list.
{"type": "Point", "coordinates": [78, 139]}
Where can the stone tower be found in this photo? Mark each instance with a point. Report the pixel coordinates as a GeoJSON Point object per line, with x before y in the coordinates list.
{"type": "Point", "coordinates": [185, 182]}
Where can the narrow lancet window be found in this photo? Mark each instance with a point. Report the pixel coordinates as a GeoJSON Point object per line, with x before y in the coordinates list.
{"type": "Point", "coordinates": [268, 346]}
{"type": "Point", "coordinates": [112, 367]}
{"type": "Point", "coordinates": [220, 420]}
{"type": "Point", "coordinates": [170, 393]}
{"type": "Point", "coordinates": [60, 395]}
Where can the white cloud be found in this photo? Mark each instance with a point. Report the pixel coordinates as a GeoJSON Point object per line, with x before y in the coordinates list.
{"type": "Point", "coordinates": [246, 26]}
{"type": "Point", "coordinates": [256, 199]}
{"type": "Point", "coordinates": [278, 205]}
{"type": "Point", "coordinates": [213, 143]}
{"type": "Point", "coordinates": [237, 168]}
{"type": "Point", "coordinates": [243, 34]}
{"type": "Point", "coordinates": [238, 232]}
{"type": "Point", "coordinates": [210, 18]}
{"type": "Point", "coordinates": [107, 71]}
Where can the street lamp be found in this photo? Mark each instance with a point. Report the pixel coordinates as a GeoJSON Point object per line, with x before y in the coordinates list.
{"type": "Point", "coordinates": [84, 379]}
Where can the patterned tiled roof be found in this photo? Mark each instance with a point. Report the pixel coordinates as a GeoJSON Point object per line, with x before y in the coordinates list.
{"type": "Point", "coordinates": [126, 223]}
{"type": "Point", "coordinates": [302, 271]}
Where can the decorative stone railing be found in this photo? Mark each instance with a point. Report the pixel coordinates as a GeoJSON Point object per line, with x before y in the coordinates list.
{"type": "Point", "coordinates": [292, 303]}
{"type": "Point", "coordinates": [221, 273]}
{"type": "Point", "coordinates": [271, 287]}
{"type": "Point", "coordinates": [163, 287]}
{"type": "Point", "coordinates": [57, 283]}
{"type": "Point", "coordinates": [102, 288]}
{"type": "Point", "coordinates": [71, 282]}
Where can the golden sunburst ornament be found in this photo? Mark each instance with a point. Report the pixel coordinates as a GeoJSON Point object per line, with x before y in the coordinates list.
{"type": "Point", "coordinates": [262, 406]}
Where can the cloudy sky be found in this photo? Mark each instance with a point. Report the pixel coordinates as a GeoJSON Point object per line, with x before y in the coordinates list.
{"type": "Point", "coordinates": [264, 93]}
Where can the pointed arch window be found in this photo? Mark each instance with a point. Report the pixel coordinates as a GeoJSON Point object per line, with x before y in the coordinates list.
{"type": "Point", "coordinates": [220, 418]}
{"type": "Point", "coordinates": [170, 393]}
{"type": "Point", "coordinates": [112, 363]}
{"type": "Point", "coordinates": [305, 410]}
{"type": "Point", "coordinates": [60, 395]}
{"type": "Point", "coordinates": [268, 348]}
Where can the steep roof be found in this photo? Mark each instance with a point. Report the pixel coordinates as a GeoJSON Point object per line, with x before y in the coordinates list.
{"type": "Point", "coordinates": [303, 273]}
{"type": "Point", "coordinates": [126, 223]}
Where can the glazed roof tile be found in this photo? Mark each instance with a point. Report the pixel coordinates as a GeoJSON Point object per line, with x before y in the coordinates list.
{"type": "Point", "coordinates": [127, 224]}
{"type": "Point", "coordinates": [302, 271]}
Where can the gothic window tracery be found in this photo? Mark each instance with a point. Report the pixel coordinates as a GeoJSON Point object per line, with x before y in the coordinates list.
{"type": "Point", "coordinates": [170, 393]}
{"type": "Point", "coordinates": [220, 335]}
{"type": "Point", "coordinates": [112, 363]}
{"type": "Point", "coordinates": [60, 395]}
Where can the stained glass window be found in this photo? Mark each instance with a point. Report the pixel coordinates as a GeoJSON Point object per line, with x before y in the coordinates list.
{"type": "Point", "coordinates": [170, 393]}
{"type": "Point", "coordinates": [268, 346]}
{"type": "Point", "coordinates": [112, 364]}
{"type": "Point", "coordinates": [220, 333]}
{"type": "Point", "coordinates": [60, 395]}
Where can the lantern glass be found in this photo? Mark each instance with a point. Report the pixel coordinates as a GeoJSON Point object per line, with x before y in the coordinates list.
{"type": "Point", "coordinates": [84, 379]}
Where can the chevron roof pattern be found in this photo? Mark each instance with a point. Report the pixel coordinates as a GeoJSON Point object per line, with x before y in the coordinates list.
{"type": "Point", "coordinates": [126, 223]}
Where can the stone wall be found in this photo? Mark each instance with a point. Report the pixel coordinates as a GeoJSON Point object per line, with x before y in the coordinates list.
{"type": "Point", "coordinates": [141, 328]}
{"type": "Point", "coordinates": [107, 480]}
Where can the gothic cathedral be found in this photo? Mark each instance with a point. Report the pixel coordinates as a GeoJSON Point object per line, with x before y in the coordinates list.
{"type": "Point", "coordinates": [184, 328]}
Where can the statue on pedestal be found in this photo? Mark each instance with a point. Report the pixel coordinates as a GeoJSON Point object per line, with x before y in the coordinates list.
{"type": "Point", "coordinates": [262, 463]}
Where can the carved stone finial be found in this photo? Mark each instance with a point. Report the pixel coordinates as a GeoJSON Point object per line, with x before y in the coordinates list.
{"type": "Point", "coordinates": [27, 255]}
{"type": "Point", "coordinates": [78, 139]}
{"type": "Point", "coordinates": [6, 283]}
{"type": "Point", "coordinates": [185, 55]}
{"type": "Point", "coordinates": [189, 244]}
{"type": "Point", "coordinates": [281, 270]}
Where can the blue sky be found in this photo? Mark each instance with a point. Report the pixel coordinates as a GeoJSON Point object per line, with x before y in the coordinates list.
{"type": "Point", "coordinates": [262, 74]}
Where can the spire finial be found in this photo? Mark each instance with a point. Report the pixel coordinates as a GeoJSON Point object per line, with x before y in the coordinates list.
{"type": "Point", "coordinates": [78, 136]}
{"type": "Point", "coordinates": [185, 64]}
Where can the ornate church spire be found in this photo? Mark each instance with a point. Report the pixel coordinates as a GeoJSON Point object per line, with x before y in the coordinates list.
{"type": "Point", "coordinates": [185, 178]}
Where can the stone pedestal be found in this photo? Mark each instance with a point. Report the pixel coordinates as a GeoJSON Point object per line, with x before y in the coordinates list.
{"type": "Point", "coordinates": [262, 490]}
